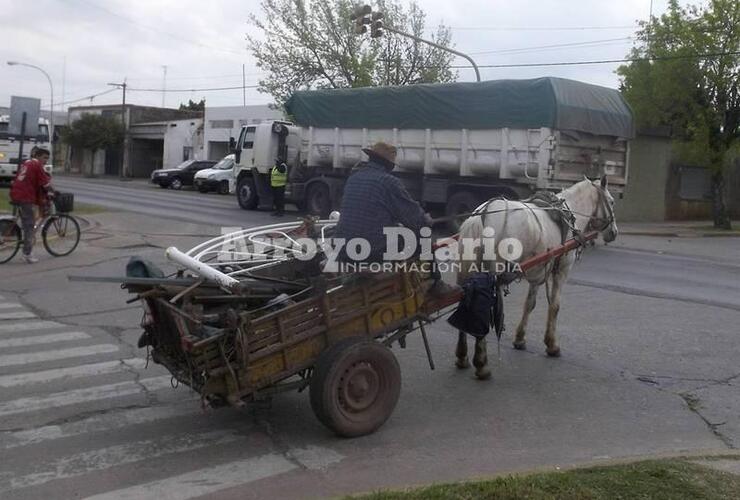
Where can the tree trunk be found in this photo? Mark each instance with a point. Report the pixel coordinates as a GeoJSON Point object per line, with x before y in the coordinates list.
{"type": "Point", "coordinates": [720, 213]}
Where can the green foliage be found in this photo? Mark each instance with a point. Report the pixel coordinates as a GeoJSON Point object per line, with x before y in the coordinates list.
{"type": "Point", "coordinates": [193, 106]}
{"type": "Point", "coordinates": [306, 44]}
{"type": "Point", "coordinates": [698, 98]}
{"type": "Point", "coordinates": [655, 480]}
{"type": "Point", "coordinates": [689, 79]}
{"type": "Point", "coordinates": [94, 132]}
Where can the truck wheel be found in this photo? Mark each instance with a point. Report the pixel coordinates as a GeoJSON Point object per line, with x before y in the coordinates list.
{"type": "Point", "coordinates": [246, 193]}
{"type": "Point", "coordinates": [355, 386]}
{"type": "Point", "coordinates": [223, 187]}
{"type": "Point", "coordinates": [318, 199]}
{"type": "Point", "coordinates": [462, 202]}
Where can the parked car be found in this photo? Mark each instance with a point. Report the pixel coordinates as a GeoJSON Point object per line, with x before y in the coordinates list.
{"type": "Point", "coordinates": [181, 175]}
{"type": "Point", "coordinates": [219, 178]}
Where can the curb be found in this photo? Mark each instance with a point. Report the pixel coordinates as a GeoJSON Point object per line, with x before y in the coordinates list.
{"type": "Point", "coordinates": [668, 234]}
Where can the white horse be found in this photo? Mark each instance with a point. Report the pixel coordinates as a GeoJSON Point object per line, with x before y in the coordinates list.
{"type": "Point", "coordinates": [592, 209]}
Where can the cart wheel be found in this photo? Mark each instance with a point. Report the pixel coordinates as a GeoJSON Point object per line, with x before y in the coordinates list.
{"type": "Point", "coordinates": [355, 386]}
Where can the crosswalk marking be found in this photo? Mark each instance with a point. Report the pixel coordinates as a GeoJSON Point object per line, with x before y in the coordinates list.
{"type": "Point", "coordinates": [46, 376]}
{"type": "Point", "coordinates": [17, 315]}
{"type": "Point", "coordinates": [43, 339]}
{"type": "Point", "coordinates": [204, 481]}
{"type": "Point", "coordinates": [77, 396]}
{"type": "Point", "coordinates": [99, 423]}
{"type": "Point", "coordinates": [38, 357]}
{"type": "Point", "coordinates": [105, 458]}
{"type": "Point", "coordinates": [10, 305]}
{"type": "Point", "coordinates": [25, 326]}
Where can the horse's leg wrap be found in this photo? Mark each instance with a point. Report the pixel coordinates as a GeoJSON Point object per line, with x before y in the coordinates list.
{"type": "Point", "coordinates": [461, 351]}
{"type": "Point", "coordinates": [480, 360]}
{"type": "Point", "coordinates": [529, 304]}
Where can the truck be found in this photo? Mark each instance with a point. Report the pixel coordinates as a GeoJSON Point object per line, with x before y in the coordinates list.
{"type": "Point", "coordinates": [10, 146]}
{"type": "Point", "coordinates": [458, 144]}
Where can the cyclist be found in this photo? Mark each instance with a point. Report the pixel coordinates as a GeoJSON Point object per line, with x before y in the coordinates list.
{"type": "Point", "coordinates": [31, 186]}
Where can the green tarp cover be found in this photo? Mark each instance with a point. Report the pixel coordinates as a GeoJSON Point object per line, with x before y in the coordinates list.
{"type": "Point", "coordinates": [551, 102]}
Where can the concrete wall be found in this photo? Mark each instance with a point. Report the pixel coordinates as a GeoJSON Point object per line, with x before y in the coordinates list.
{"type": "Point", "coordinates": [179, 135]}
{"type": "Point", "coordinates": [649, 166]}
{"type": "Point", "coordinates": [224, 122]}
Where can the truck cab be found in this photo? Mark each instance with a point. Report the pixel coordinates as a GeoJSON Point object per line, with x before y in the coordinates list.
{"type": "Point", "coordinates": [10, 147]}
{"type": "Point", "coordinates": [256, 150]}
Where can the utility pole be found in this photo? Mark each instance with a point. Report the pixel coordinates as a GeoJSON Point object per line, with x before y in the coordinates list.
{"type": "Point", "coordinates": [124, 121]}
{"type": "Point", "coordinates": [244, 86]}
{"type": "Point", "coordinates": [164, 84]}
{"type": "Point", "coordinates": [364, 15]}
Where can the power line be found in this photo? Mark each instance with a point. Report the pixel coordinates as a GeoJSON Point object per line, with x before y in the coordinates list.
{"type": "Point", "coordinates": [158, 30]}
{"type": "Point", "coordinates": [553, 46]}
{"type": "Point", "coordinates": [539, 28]}
{"type": "Point", "coordinates": [93, 96]}
{"type": "Point", "coordinates": [604, 61]}
{"type": "Point", "coordinates": [196, 90]}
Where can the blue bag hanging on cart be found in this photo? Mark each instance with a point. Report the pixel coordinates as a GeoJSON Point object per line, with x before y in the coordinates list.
{"type": "Point", "coordinates": [481, 307]}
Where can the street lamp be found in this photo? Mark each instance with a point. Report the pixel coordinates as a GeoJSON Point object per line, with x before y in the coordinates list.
{"type": "Point", "coordinates": [364, 15]}
{"type": "Point", "coordinates": [51, 105]}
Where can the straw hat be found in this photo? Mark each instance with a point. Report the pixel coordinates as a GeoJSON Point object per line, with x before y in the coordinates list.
{"type": "Point", "coordinates": [383, 150]}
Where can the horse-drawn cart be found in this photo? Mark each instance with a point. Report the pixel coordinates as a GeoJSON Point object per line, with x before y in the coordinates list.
{"type": "Point", "coordinates": [244, 321]}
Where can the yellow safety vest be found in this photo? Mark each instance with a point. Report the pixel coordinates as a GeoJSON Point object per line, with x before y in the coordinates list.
{"type": "Point", "coordinates": [278, 178]}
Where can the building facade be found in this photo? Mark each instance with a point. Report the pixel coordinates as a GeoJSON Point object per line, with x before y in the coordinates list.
{"type": "Point", "coordinates": [221, 123]}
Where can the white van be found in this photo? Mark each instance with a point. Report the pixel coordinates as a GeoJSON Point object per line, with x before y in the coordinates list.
{"type": "Point", "coordinates": [218, 178]}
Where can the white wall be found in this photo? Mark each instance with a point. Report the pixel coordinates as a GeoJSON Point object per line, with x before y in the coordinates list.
{"type": "Point", "coordinates": [237, 116]}
{"type": "Point", "coordinates": [180, 134]}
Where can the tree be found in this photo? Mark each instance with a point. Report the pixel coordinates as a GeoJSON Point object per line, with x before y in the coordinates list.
{"type": "Point", "coordinates": [312, 44]}
{"type": "Point", "coordinates": [688, 77]}
{"type": "Point", "coordinates": [193, 106]}
{"type": "Point", "coordinates": [94, 132]}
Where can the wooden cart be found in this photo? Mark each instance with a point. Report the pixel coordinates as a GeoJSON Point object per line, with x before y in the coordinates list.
{"type": "Point", "coordinates": [334, 337]}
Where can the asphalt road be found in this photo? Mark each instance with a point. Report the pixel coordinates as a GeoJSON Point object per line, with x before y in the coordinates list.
{"type": "Point", "coordinates": [649, 366]}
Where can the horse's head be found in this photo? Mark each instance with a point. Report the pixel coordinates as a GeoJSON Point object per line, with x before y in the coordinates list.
{"type": "Point", "coordinates": [603, 218]}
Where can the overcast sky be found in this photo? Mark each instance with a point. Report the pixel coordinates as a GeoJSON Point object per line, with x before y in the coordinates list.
{"type": "Point", "coordinates": [202, 44]}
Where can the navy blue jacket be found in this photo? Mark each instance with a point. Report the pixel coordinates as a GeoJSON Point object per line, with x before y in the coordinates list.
{"type": "Point", "coordinates": [373, 199]}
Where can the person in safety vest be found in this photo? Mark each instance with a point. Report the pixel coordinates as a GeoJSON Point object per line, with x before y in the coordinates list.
{"type": "Point", "coordinates": [278, 180]}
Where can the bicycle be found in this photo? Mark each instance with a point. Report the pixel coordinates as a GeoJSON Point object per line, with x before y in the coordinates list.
{"type": "Point", "coordinates": [60, 232]}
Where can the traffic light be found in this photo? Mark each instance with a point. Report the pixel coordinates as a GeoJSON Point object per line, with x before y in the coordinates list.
{"type": "Point", "coordinates": [376, 25]}
{"type": "Point", "coordinates": [361, 17]}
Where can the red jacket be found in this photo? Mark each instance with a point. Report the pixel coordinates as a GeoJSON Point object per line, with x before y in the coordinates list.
{"type": "Point", "coordinates": [30, 184]}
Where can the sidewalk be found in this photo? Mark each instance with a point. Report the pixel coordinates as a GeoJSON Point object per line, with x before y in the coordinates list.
{"type": "Point", "coordinates": [677, 229]}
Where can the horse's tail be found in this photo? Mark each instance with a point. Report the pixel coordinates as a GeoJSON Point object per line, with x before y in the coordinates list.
{"type": "Point", "coordinates": [471, 233]}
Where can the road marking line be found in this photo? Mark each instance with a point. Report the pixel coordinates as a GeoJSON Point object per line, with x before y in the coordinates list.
{"type": "Point", "coordinates": [90, 370]}
{"type": "Point", "coordinates": [77, 396]}
{"type": "Point", "coordinates": [98, 423]}
{"type": "Point", "coordinates": [212, 479]}
{"type": "Point", "coordinates": [10, 305]}
{"type": "Point", "coordinates": [205, 481]}
{"type": "Point", "coordinates": [113, 456]}
{"type": "Point", "coordinates": [43, 339]}
{"type": "Point", "coordinates": [17, 315]}
{"type": "Point", "coordinates": [25, 326]}
{"type": "Point", "coordinates": [41, 356]}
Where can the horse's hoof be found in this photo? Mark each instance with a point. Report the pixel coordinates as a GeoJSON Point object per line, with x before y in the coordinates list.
{"type": "Point", "coordinates": [462, 364]}
{"type": "Point", "coordinates": [520, 345]}
{"type": "Point", "coordinates": [554, 353]}
{"type": "Point", "coordinates": [483, 374]}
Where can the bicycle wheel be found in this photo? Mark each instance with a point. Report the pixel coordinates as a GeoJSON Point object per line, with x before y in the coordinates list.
{"type": "Point", "coordinates": [10, 239]}
{"type": "Point", "coordinates": [61, 234]}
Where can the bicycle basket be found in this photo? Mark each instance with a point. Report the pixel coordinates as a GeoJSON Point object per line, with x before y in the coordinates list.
{"type": "Point", "coordinates": [64, 202]}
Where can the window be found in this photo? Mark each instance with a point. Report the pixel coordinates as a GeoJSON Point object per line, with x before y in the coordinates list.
{"type": "Point", "coordinates": [187, 152]}
{"type": "Point", "coordinates": [249, 137]}
{"type": "Point", "coordinates": [222, 123]}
